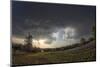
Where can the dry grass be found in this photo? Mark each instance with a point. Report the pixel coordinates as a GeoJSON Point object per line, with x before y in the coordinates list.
{"type": "Point", "coordinates": [81, 55]}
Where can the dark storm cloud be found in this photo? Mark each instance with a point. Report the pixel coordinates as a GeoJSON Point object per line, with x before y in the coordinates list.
{"type": "Point", "coordinates": [43, 19]}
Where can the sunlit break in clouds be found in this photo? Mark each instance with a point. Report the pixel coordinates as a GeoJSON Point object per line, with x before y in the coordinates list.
{"type": "Point", "coordinates": [64, 36]}
{"type": "Point", "coordinates": [51, 25]}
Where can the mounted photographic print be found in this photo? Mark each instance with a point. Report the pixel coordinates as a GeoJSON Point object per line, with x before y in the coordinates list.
{"type": "Point", "coordinates": [52, 33]}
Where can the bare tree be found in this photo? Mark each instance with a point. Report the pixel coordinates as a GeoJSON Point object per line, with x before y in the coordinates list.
{"type": "Point", "coordinates": [28, 42]}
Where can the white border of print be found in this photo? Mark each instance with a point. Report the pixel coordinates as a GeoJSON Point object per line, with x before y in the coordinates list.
{"type": "Point", "coordinates": [5, 33]}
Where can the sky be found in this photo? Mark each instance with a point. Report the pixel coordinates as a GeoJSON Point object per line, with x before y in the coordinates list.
{"type": "Point", "coordinates": [53, 25]}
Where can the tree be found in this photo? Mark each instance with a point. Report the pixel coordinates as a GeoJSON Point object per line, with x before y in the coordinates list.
{"type": "Point", "coordinates": [28, 42]}
{"type": "Point", "coordinates": [94, 32]}
{"type": "Point", "coordinates": [82, 40]}
{"type": "Point", "coordinates": [91, 39]}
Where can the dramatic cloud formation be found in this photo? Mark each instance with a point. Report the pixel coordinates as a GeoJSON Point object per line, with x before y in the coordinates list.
{"type": "Point", "coordinates": [55, 25]}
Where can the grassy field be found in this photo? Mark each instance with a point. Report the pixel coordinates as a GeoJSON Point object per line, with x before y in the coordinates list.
{"type": "Point", "coordinates": [80, 54]}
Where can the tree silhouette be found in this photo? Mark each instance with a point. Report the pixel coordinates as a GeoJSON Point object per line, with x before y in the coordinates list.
{"type": "Point", "coordinates": [94, 32]}
{"type": "Point", "coordinates": [82, 40]}
{"type": "Point", "coordinates": [28, 42]}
